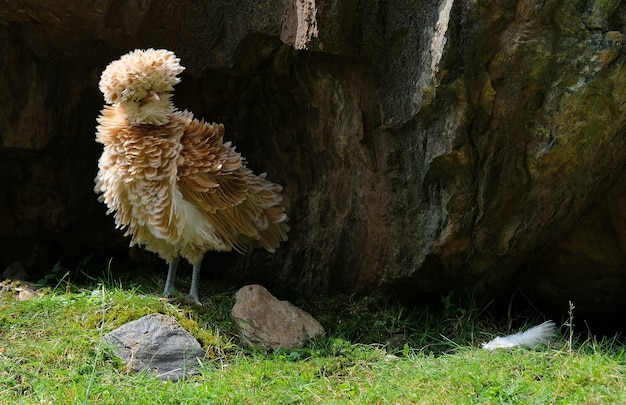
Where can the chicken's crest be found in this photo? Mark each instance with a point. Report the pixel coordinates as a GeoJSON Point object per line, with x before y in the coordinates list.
{"type": "Point", "coordinates": [138, 73]}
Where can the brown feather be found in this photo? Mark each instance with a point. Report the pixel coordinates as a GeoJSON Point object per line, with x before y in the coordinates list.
{"type": "Point", "coordinates": [170, 180]}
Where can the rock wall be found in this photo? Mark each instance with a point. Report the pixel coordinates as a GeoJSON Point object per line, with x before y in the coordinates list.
{"type": "Point", "coordinates": [424, 146]}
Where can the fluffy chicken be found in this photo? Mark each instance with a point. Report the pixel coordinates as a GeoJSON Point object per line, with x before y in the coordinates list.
{"type": "Point", "coordinates": [169, 179]}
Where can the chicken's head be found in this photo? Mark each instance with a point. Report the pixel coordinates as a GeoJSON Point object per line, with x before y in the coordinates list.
{"type": "Point", "coordinates": [141, 82]}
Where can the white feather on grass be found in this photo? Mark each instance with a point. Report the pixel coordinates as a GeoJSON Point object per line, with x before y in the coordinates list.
{"type": "Point", "coordinates": [530, 338]}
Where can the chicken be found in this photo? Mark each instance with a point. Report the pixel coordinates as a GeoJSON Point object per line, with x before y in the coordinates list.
{"type": "Point", "coordinates": [169, 179]}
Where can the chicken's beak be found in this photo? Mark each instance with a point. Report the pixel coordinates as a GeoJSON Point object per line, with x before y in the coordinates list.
{"type": "Point", "coordinates": [152, 94]}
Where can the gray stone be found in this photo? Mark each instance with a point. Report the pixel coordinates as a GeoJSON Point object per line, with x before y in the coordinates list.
{"type": "Point", "coordinates": [14, 271]}
{"type": "Point", "coordinates": [157, 343]}
{"type": "Point", "coordinates": [264, 322]}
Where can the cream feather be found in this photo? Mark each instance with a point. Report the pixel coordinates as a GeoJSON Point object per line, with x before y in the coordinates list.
{"type": "Point", "coordinates": [169, 179]}
{"type": "Point", "coordinates": [530, 338]}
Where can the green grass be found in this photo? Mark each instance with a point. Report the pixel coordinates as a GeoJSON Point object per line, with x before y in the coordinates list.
{"type": "Point", "coordinates": [52, 352]}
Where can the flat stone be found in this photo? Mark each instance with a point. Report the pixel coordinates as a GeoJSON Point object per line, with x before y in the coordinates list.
{"type": "Point", "coordinates": [157, 344]}
{"type": "Point", "coordinates": [264, 322]}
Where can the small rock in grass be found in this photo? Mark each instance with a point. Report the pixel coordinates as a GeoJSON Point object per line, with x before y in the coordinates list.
{"type": "Point", "coordinates": [264, 322]}
{"type": "Point", "coordinates": [157, 343]}
{"type": "Point", "coordinates": [23, 289]}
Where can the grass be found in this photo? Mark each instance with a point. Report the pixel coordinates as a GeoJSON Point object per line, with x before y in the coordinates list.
{"type": "Point", "coordinates": [52, 352]}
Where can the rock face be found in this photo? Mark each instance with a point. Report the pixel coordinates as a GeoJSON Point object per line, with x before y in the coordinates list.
{"type": "Point", "coordinates": [264, 322]}
{"type": "Point", "coordinates": [157, 343]}
{"type": "Point", "coordinates": [587, 263]}
{"type": "Point", "coordinates": [424, 146]}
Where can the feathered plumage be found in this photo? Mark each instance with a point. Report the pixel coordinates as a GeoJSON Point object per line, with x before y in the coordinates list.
{"type": "Point", "coordinates": [169, 179]}
{"type": "Point", "coordinates": [530, 338]}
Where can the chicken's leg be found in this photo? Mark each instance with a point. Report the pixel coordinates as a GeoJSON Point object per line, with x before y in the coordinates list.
{"type": "Point", "coordinates": [193, 291]}
{"type": "Point", "coordinates": [171, 275]}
